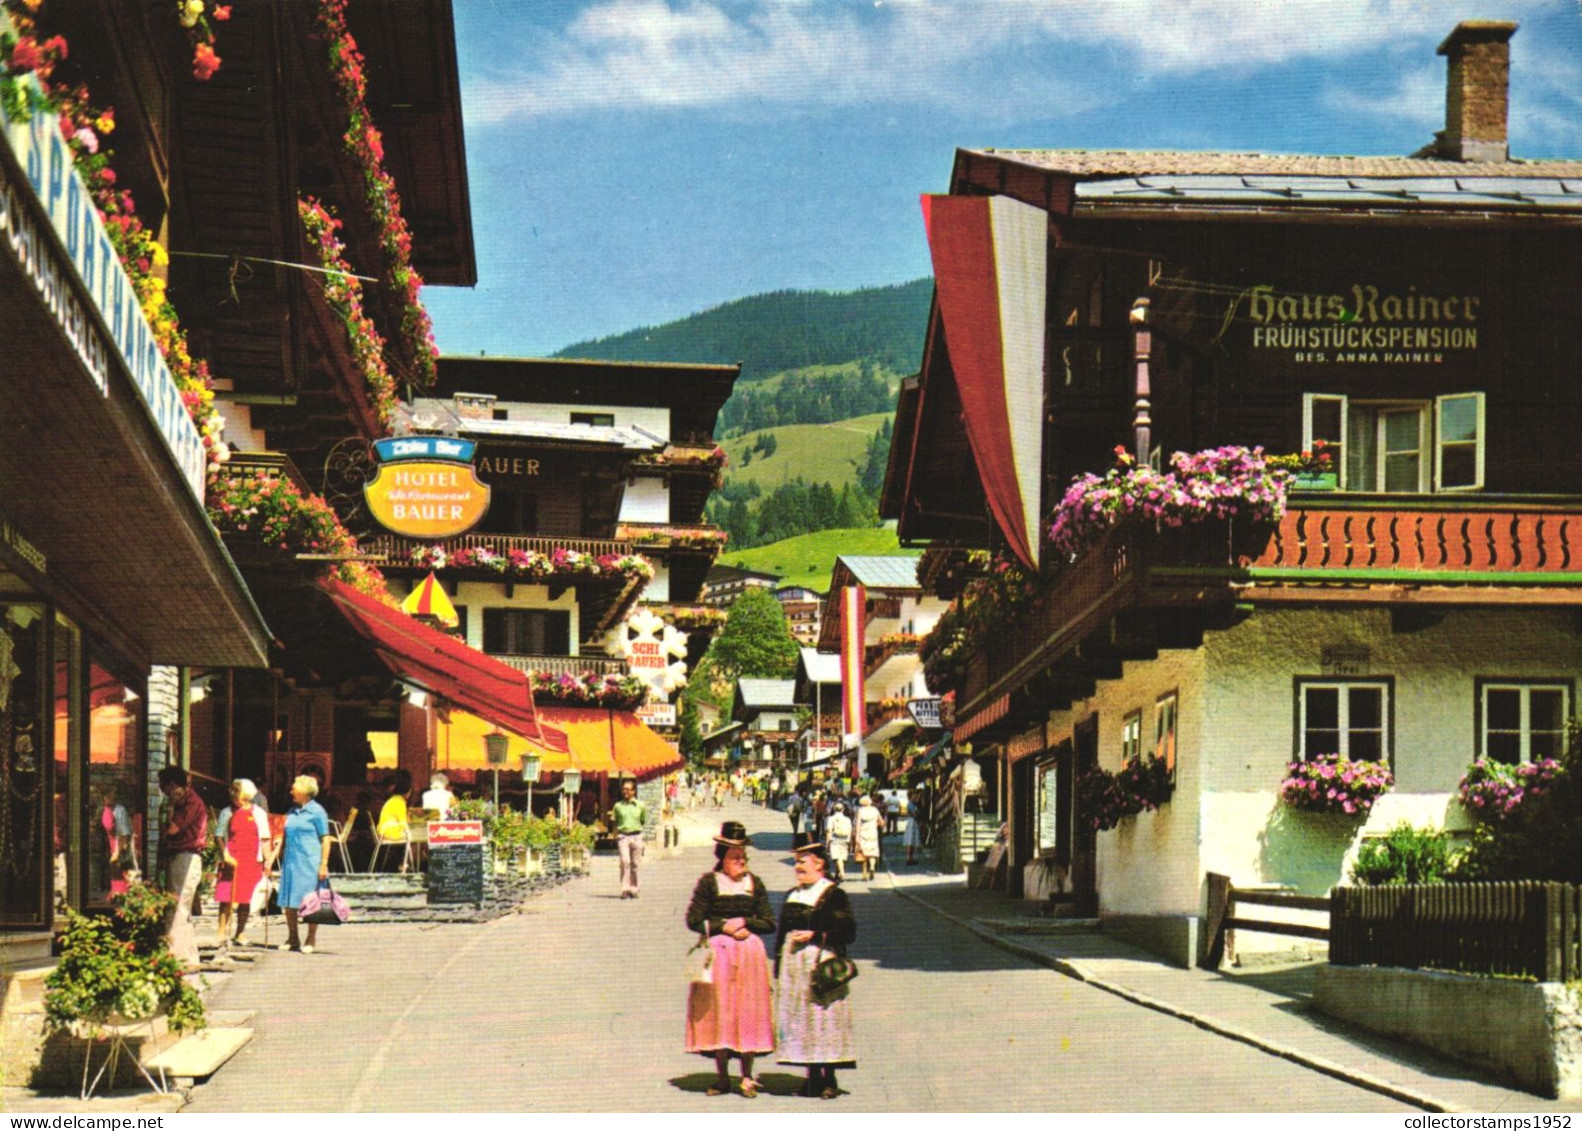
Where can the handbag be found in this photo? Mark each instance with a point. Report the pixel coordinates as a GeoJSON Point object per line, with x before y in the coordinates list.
{"type": "Point", "coordinates": [831, 975]}
{"type": "Point", "coordinates": [324, 907]}
{"type": "Point", "coordinates": [700, 962]}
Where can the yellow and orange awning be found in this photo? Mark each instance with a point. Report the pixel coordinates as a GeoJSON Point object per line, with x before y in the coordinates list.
{"type": "Point", "coordinates": [619, 740]}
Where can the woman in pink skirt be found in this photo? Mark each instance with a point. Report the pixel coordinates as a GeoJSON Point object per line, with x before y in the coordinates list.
{"type": "Point", "coordinates": [731, 1016]}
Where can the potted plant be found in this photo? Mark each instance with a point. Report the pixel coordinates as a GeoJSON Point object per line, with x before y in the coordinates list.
{"type": "Point", "coordinates": [116, 969]}
{"type": "Point", "coordinates": [1141, 785]}
{"type": "Point", "coordinates": [1330, 783]}
{"type": "Point", "coordinates": [1491, 791]}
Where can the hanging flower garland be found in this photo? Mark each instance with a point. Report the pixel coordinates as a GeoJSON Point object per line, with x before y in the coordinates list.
{"type": "Point", "coordinates": [366, 145]}
{"type": "Point", "coordinates": [200, 34]}
{"type": "Point", "coordinates": [277, 511]}
{"type": "Point", "coordinates": [84, 126]}
{"type": "Point", "coordinates": [344, 292]}
{"type": "Point", "coordinates": [530, 565]}
{"type": "Point", "coordinates": [589, 689]}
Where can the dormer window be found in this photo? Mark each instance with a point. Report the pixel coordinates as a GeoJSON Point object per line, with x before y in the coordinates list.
{"type": "Point", "coordinates": [597, 419]}
{"type": "Point", "coordinates": [1400, 446]}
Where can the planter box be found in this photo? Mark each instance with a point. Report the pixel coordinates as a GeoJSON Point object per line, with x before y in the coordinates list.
{"type": "Point", "coordinates": [1322, 481]}
{"type": "Point", "coordinates": [1529, 1033]}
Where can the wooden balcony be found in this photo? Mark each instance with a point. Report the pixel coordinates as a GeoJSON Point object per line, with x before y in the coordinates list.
{"type": "Point", "coordinates": [564, 665]}
{"type": "Point", "coordinates": [1141, 589]}
{"type": "Point", "coordinates": [397, 550]}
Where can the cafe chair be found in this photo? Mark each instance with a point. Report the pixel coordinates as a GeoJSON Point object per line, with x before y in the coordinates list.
{"type": "Point", "coordinates": [340, 833]}
{"type": "Point", "coordinates": [381, 842]}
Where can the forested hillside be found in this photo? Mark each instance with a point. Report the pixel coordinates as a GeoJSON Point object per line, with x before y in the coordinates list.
{"type": "Point", "coordinates": [783, 330]}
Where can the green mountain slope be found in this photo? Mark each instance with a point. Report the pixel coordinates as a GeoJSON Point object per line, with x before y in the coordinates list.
{"type": "Point", "coordinates": [781, 330]}
{"type": "Point", "coordinates": [809, 558]}
{"type": "Point", "coordinates": [819, 453]}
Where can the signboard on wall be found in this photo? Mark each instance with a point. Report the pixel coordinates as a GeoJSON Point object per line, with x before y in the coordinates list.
{"type": "Point", "coordinates": [1366, 321]}
{"type": "Point", "coordinates": [426, 487]}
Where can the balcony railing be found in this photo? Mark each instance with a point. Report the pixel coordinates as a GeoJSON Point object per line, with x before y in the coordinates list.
{"type": "Point", "coordinates": [1454, 539]}
{"type": "Point", "coordinates": [397, 550]}
{"type": "Point", "coordinates": [663, 536]}
{"type": "Point", "coordinates": [258, 464]}
{"type": "Point", "coordinates": [564, 665]}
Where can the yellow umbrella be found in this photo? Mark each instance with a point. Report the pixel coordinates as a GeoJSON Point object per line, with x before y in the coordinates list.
{"type": "Point", "coordinates": [429, 600]}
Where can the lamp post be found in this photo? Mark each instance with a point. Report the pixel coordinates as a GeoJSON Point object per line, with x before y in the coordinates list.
{"type": "Point", "coordinates": [571, 785]}
{"type": "Point", "coordinates": [495, 744]}
{"type": "Point", "coordinates": [530, 767]}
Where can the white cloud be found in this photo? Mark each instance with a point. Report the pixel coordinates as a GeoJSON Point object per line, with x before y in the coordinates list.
{"type": "Point", "coordinates": [945, 53]}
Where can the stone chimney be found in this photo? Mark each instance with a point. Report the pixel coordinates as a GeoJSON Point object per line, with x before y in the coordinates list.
{"type": "Point", "coordinates": [1477, 91]}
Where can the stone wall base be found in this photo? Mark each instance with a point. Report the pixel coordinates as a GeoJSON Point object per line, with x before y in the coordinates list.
{"type": "Point", "coordinates": [1528, 1033]}
{"type": "Point", "coordinates": [1172, 937]}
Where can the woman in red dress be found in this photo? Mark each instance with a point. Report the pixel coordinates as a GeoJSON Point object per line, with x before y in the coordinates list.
{"type": "Point", "coordinates": [243, 860]}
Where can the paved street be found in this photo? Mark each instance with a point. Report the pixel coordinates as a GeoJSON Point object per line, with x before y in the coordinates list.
{"type": "Point", "coordinates": [577, 1004]}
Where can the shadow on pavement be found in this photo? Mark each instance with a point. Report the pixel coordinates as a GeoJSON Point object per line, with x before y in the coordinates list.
{"type": "Point", "coordinates": [774, 1083]}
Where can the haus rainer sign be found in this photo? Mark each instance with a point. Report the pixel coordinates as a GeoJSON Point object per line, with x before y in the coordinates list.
{"type": "Point", "coordinates": [426, 487]}
{"type": "Point", "coordinates": [1363, 323]}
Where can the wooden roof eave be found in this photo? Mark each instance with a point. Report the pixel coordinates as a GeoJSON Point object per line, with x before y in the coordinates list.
{"type": "Point", "coordinates": [414, 96]}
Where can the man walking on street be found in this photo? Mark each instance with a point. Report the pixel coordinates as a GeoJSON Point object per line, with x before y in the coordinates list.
{"type": "Point", "coordinates": [630, 816]}
{"type": "Point", "coordinates": [181, 847]}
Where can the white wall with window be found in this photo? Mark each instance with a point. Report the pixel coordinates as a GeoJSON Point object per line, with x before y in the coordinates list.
{"type": "Point", "coordinates": [655, 421]}
{"type": "Point", "coordinates": [1405, 446]}
{"type": "Point", "coordinates": [1151, 863]}
{"type": "Point", "coordinates": [528, 619]}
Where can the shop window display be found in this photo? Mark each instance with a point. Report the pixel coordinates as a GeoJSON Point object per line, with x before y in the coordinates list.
{"type": "Point", "coordinates": [26, 780]}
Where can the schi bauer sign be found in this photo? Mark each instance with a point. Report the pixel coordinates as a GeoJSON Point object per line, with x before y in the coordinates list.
{"type": "Point", "coordinates": [426, 487]}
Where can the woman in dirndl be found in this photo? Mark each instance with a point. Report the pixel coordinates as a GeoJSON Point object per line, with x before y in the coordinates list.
{"type": "Point", "coordinates": [816, 923]}
{"type": "Point", "coordinates": [732, 1016]}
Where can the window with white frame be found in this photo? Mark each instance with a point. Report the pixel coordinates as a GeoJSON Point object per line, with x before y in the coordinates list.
{"type": "Point", "coordinates": [1165, 730]}
{"type": "Point", "coordinates": [1399, 447]}
{"type": "Point", "coordinates": [1522, 721]}
{"type": "Point", "coordinates": [1132, 736]}
{"type": "Point", "coordinates": [1346, 717]}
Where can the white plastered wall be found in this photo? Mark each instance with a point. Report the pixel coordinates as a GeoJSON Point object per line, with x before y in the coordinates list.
{"type": "Point", "coordinates": [647, 499]}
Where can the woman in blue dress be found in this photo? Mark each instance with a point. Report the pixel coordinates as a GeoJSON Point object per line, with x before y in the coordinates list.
{"type": "Point", "coordinates": [305, 859]}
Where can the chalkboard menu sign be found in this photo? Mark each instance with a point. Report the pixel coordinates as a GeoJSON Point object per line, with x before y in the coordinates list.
{"type": "Point", "coordinates": [455, 862]}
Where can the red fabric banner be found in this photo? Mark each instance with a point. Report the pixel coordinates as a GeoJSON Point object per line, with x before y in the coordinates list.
{"type": "Point", "coordinates": [853, 622]}
{"type": "Point", "coordinates": [990, 275]}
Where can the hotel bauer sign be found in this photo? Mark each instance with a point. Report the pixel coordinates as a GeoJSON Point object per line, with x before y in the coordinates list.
{"type": "Point", "coordinates": [426, 487]}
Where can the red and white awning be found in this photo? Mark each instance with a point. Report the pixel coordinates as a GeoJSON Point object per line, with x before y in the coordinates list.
{"type": "Point", "coordinates": [990, 271]}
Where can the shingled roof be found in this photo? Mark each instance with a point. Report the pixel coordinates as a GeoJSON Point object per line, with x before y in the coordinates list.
{"type": "Point", "coordinates": [1131, 163]}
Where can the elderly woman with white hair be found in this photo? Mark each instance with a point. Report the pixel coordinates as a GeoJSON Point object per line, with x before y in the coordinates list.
{"type": "Point", "coordinates": [305, 859]}
{"type": "Point", "coordinates": [438, 796]}
{"type": "Point", "coordinates": [243, 833]}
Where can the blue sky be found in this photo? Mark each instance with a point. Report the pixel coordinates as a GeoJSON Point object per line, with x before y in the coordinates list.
{"type": "Point", "coordinates": [635, 161]}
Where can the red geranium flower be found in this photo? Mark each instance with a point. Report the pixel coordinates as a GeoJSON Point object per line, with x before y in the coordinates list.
{"type": "Point", "coordinates": [204, 62]}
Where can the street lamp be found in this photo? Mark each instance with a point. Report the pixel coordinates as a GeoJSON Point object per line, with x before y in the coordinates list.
{"type": "Point", "coordinates": [571, 785]}
{"type": "Point", "coordinates": [495, 745]}
{"type": "Point", "coordinates": [530, 767]}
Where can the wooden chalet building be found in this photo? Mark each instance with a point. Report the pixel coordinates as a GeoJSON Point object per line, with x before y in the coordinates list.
{"type": "Point", "coordinates": [602, 468]}
{"type": "Point", "coordinates": [1418, 605]}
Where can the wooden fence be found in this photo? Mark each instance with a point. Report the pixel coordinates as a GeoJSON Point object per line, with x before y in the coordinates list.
{"type": "Point", "coordinates": [1223, 921]}
{"type": "Point", "coordinates": [1526, 929]}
